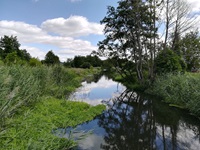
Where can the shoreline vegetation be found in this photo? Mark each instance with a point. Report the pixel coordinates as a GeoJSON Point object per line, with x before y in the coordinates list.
{"type": "Point", "coordinates": [33, 103]}
{"type": "Point", "coordinates": [179, 90]}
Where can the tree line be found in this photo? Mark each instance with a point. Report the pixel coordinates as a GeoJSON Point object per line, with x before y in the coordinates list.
{"type": "Point", "coordinates": [10, 53]}
{"type": "Point", "coordinates": [133, 43]}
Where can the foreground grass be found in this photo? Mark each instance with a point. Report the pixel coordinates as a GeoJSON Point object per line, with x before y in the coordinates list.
{"type": "Point", "coordinates": [24, 85]}
{"type": "Point", "coordinates": [32, 128]}
{"type": "Point", "coordinates": [182, 90]}
{"type": "Point", "coordinates": [27, 117]}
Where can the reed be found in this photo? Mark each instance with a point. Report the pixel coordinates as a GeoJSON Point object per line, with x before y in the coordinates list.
{"type": "Point", "coordinates": [23, 85]}
{"type": "Point", "coordinates": [180, 89]}
{"type": "Point", "coordinates": [29, 110]}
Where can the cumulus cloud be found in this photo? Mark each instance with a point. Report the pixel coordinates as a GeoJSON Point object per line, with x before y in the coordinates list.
{"type": "Point", "coordinates": [65, 43]}
{"type": "Point", "coordinates": [74, 26]}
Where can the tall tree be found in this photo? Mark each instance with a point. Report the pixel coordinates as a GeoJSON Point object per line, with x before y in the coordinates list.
{"type": "Point", "coordinates": [8, 45]}
{"type": "Point", "coordinates": [178, 19]}
{"type": "Point", "coordinates": [190, 49]}
{"type": "Point", "coordinates": [51, 58]}
{"type": "Point", "coordinates": [129, 29]}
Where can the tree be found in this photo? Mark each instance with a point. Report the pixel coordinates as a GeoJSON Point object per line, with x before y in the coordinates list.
{"type": "Point", "coordinates": [8, 45]}
{"type": "Point", "coordinates": [78, 61]}
{"type": "Point", "coordinates": [168, 61]}
{"type": "Point", "coordinates": [130, 33]}
{"type": "Point", "coordinates": [190, 49]}
{"type": "Point", "coordinates": [177, 21]}
{"type": "Point", "coordinates": [68, 62]}
{"type": "Point", "coordinates": [51, 58]}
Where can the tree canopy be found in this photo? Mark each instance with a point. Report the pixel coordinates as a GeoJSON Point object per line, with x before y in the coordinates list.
{"type": "Point", "coordinates": [51, 58]}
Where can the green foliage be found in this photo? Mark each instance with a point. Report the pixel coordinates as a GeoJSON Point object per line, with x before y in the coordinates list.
{"type": "Point", "coordinates": [86, 65]}
{"type": "Point", "coordinates": [167, 61]}
{"type": "Point", "coordinates": [86, 62]}
{"type": "Point", "coordinates": [10, 52]}
{"type": "Point", "coordinates": [129, 29]}
{"type": "Point", "coordinates": [12, 58]}
{"type": "Point", "coordinates": [8, 45]}
{"type": "Point", "coordinates": [190, 49]}
{"type": "Point", "coordinates": [51, 58]}
{"type": "Point", "coordinates": [27, 118]}
{"type": "Point", "coordinates": [34, 62]}
{"type": "Point", "coordinates": [33, 128]}
{"type": "Point", "coordinates": [179, 89]}
{"type": "Point", "coordinates": [23, 85]}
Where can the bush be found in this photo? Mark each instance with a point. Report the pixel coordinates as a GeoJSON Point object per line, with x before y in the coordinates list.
{"type": "Point", "coordinates": [86, 65]}
{"type": "Point", "coordinates": [167, 61]}
{"type": "Point", "coordinates": [35, 62]}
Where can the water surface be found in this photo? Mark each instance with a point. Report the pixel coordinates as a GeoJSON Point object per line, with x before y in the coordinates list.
{"type": "Point", "coordinates": [133, 121]}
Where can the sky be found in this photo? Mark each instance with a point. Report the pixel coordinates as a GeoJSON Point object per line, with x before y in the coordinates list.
{"type": "Point", "coordinates": [67, 27]}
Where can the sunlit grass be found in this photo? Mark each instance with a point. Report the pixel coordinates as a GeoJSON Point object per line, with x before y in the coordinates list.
{"type": "Point", "coordinates": [27, 117]}
{"type": "Point", "coordinates": [32, 128]}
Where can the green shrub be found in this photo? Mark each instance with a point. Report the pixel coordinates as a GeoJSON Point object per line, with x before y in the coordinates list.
{"type": "Point", "coordinates": [34, 62]}
{"type": "Point", "coordinates": [167, 61]}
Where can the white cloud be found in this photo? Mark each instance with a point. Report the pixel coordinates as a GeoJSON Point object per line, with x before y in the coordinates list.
{"type": "Point", "coordinates": [195, 5]}
{"type": "Point", "coordinates": [34, 52]}
{"type": "Point", "coordinates": [65, 45]}
{"type": "Point", "coordinates": [74, 26]}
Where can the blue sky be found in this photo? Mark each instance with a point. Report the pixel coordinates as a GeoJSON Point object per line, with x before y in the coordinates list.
{"type": "Point", "coordinates": [68, 27]}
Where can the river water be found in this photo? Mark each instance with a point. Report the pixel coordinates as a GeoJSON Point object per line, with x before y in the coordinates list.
{"type": "Point", "coordinates": [132, 121]}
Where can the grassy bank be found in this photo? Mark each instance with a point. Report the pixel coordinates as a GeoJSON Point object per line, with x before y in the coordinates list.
{"type": "Point", "coordinates": [181, 90]}
{"type": "Point", "coordinates": [32, 103]}
{"type": "Point", "coordinates": [32, 128]}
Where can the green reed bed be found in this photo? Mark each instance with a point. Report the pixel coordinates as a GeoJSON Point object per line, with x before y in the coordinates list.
{"type": "Point", "coordinates": [32, 128]}
{"type": "Point", "coordinates": [27, 116]}
{"type": "Point", "coordinates": [182, 90]}
{"type": "Point", "coordinates": [23, 85]}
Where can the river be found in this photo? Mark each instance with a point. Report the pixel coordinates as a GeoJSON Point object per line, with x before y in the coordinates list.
{"type": "Point", "coordinates": [132, 121]}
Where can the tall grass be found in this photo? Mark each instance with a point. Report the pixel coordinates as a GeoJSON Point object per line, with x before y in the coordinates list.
{"type": "Point", "coordinates": [28, 113]}
{"type": "Point", "coordinates": [23, 85]}
{"type": "Point", "coordinates": [180, 89]}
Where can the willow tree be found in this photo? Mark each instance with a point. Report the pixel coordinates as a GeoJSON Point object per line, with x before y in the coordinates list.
{"type": "Point", "coordinates": [129, 33]}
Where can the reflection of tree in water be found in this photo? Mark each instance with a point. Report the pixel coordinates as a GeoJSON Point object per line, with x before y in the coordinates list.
{"type": "Point", "coordinates": [131, 124]}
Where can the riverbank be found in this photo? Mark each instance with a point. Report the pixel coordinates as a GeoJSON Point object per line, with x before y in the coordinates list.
{"type": "Point", "coordinates": [33, 103]}
{"type": "Point", "coordinates": [179, 90]}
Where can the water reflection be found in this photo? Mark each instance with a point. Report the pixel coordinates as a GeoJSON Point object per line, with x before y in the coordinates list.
{"type": "Point", "coordinates": [96, 92]}
{"type": "Point", "coordinates": [134, 121]}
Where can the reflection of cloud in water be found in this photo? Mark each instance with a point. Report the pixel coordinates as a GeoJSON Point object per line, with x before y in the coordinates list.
{"type": "Point", "coordinates": [91, 142]}
{"type": "Point", "coordinates": [186, 137]}
{"type": "Point", "coordinates": [93, 93]}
